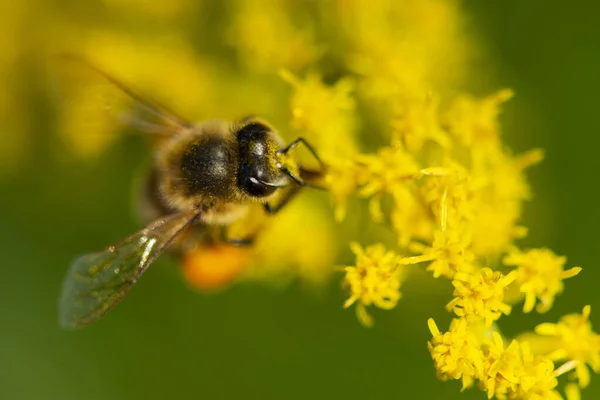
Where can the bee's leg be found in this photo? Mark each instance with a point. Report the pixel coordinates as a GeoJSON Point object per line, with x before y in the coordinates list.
{"type": "Point", "coordinates": [289, 195]}
{"type": "Point", "coordinates": [306, 175]}
{"type": "Point", "coordinates": [308, 146]}
{"type": "Point", "coordinates": [247, 241]}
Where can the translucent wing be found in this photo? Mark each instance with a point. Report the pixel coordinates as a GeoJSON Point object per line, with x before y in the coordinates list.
{"type": "Point", "coordinates": [96, 282]}
{"type": "Point", "coordinates": [96, 99]}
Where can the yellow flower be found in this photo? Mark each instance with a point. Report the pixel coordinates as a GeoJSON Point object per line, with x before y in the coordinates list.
{"type": "Point", "coordinates": [417, 122]}
{"type": "Point", "coordinates": [456, 353]}
{"type": "Point", "coordinates": [539, 377]}
{"type": "Point", "coordinates": [374, 280]}
{"type": "Point", "coordinates": [539, 381]}
{"type": "Point", "coordinates": [403, 48]}
{"type": "Point", "coordinates": [259, 30]}
{"type": "Point", "coordinates": [505, 173]}
{"type": "Point", "coordinates": [471, 120]}
{"type": "Point", "coordinates": [410, 217]}
{"type": "Point", "coordinates": [452, 196]}
{"type": "Point", "coordinates": [503, 367]}
{"type": "Point", "coordinates": [386, 170]}
{"type": "Point", "coordinates": [515, 373]}
{"type": "Point", "coordinates": [449, 254]}
{"type": "Point", "coordinates": [495, 228]}
{"type": "Point", "coordinates": [574, 340]}
{"type": "Point", "coordinates": [341, 181]}
{"type": "Point", "coordinates": [540, 276]}
{"type": "Point", "coordinates": [480, 295]}
{"type": "Point", "coordinates": [572, 391]}
{"type": "Point", "coordinates": [502, 190]}
{"type": "Point", "coordinates": [324, 114]}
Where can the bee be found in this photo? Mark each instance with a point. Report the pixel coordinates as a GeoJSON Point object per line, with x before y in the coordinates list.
{"type": "Point", "coordinates": [204, 177]}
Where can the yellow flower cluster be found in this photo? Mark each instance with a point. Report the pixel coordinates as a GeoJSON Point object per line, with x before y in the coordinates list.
{"type": "Point", "coordinates": [523, 370]}
{"type": "Point", "coordinates": [452, 194]}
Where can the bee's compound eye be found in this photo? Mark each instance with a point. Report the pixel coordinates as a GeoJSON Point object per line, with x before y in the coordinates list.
{"type": "Point", "coordinates": [249, 181]}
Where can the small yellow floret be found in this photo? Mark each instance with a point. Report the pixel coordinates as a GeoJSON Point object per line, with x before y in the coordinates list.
{"type": "Point", "coordinates": [258, 30]}
{"type": "Point", "coordinates": [539, 381]}
{"type": "Point", "coordinates": [476, 120]}
{"type": "Point", "coordinates": [416, 123]}
{"type": "Point", "coordinates": [515, 373]}
{"type": "Point", "coordinates": [575, 341]}
{"type": "Point", "coordinates": [374, 280]}
{"type": "Point", "coordinates": [324, 114]}
{"type": "Point", "coordinates": [540, 276]}
{"type": "Point", "coordinates": [450, 253]}
{"type": "Point", "coordinates": [480, 295]}
{"type": "Point", "coordinates": [386, 170]}
{"type": "Point", "coordinates": [452, 196]}
{"type": "Point", "coordinates": [456, 353]}
{"type": "Point", "coordinates": [503, 367]}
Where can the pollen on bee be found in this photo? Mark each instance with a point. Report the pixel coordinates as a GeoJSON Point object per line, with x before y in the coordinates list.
{"type": "Point", "coordinates": [216, 266]}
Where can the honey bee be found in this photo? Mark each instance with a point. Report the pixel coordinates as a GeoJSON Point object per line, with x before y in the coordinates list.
{"type": "Point", "coordinates": [204, 177]}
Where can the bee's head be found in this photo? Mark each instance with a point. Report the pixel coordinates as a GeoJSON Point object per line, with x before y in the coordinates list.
{"type": "Point", "coordinates": [259, 171]}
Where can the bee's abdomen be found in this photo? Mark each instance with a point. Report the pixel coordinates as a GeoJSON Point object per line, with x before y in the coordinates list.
{"type": "Point", "coordinates": [207, 168]}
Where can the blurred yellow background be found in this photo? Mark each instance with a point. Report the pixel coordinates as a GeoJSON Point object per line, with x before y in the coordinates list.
{"type": "Point", "coordinates": [281, 331]}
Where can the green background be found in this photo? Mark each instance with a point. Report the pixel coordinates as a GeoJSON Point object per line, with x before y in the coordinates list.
{"type": "Point", "coordinates": [167, 341]}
